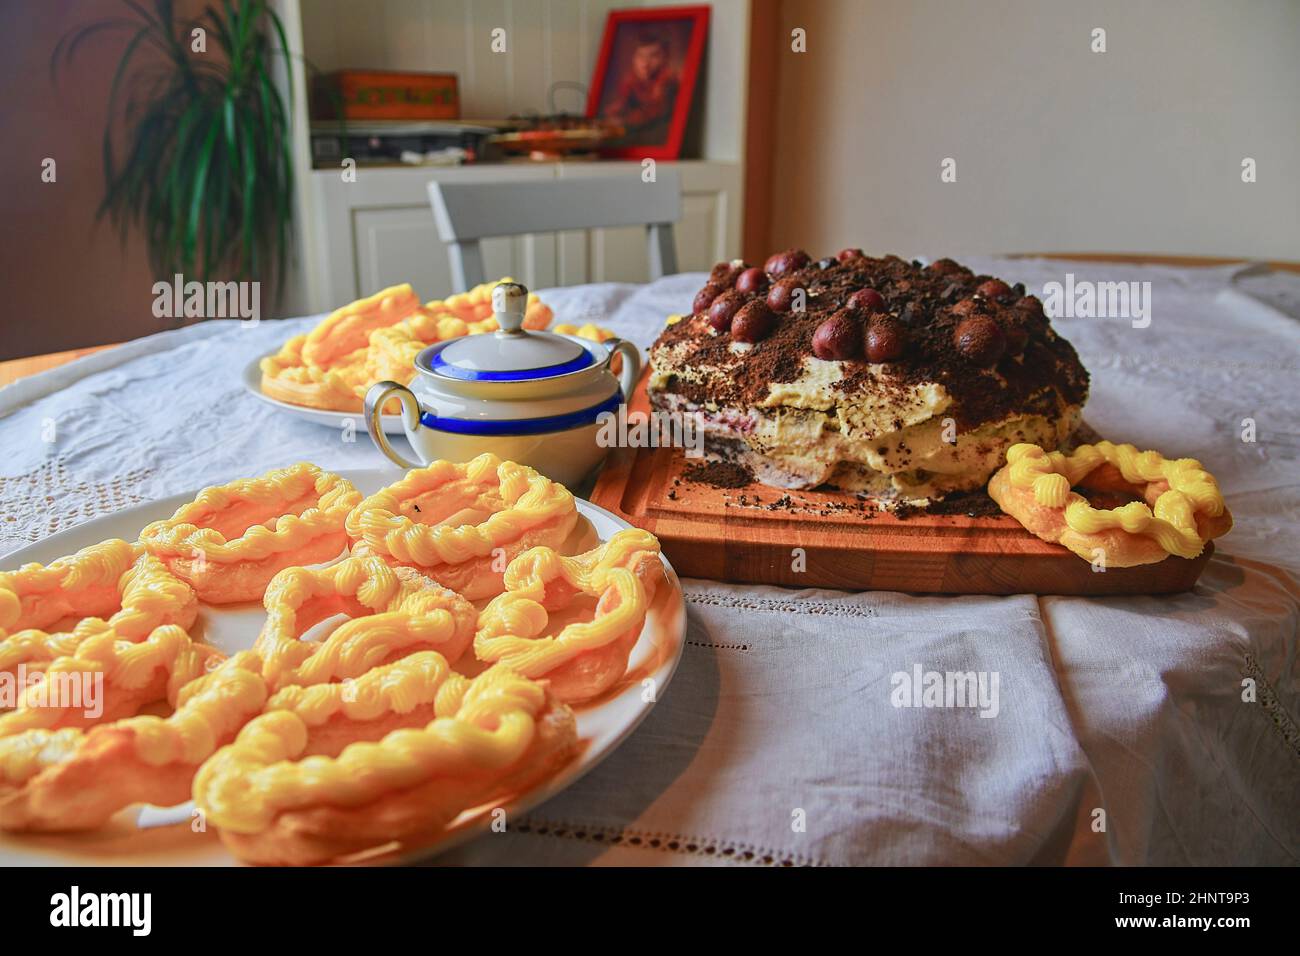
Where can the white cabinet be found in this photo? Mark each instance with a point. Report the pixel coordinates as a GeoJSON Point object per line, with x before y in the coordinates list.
{"type": "Point", "coordinates": [379, 231]}
{"type": "Point", "coordinates": [392, 246]}
{"type": "Point", "coordinates": [354, 238]}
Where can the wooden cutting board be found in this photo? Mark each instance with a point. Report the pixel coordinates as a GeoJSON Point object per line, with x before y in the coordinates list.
{"type": "Point", "coordinates": [831, 539]}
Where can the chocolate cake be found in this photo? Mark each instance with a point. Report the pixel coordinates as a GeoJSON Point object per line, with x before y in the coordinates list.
{"type": "Point", "coordinates": [876, 375]}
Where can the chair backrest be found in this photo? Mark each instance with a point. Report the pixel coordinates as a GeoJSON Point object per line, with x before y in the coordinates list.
{"type": "Point", "coordinates": [468, 212]}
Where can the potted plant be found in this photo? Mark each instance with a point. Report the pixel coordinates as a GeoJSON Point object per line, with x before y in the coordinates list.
{"type": "Point", "coordinates": [197, 143]}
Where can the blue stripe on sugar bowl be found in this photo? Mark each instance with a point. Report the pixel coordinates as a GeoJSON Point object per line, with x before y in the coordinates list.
{"type": "Point", "coordinates": [524, 426]}
{"type": "Point", "coordinates": [441, 366]}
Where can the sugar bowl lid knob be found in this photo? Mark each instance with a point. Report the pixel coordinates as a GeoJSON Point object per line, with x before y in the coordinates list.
{"type": "Point", "coordinates": [509, 299]}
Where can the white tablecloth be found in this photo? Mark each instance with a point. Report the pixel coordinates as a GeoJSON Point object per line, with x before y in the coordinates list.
{"type": "Point", "coordinates": [1120, 735]}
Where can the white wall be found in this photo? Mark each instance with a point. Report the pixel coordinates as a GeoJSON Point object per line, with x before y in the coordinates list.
{"type": "Point", "coordinates": [1138, 149]}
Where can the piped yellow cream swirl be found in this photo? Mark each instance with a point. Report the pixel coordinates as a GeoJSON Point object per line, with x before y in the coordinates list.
{"type": "Point", "coordinates": [1191, 490]}
{"type": "Point", "coordinates": [511, 627]}
{"type": "Point", "coordinates": [182, 534]}
{"type": "Point", "coordinates": [486, 724]}
{"type": "Point", "coordinates": [519, 498]}
{"type": "Point", "coordinates": [150, 596]}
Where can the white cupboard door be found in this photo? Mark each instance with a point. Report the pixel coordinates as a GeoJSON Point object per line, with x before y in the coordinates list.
{"type": "Point", "coordinates": [400, 245]}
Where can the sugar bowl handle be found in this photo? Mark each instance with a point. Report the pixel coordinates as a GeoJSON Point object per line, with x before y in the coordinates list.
{"type": "Point", "coordinates": [376, 398]}
{"type": "Point", "coordinates": [631, 371]}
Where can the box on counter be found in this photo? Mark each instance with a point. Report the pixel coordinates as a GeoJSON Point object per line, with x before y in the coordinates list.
{"type": "Point", "coordinates": [385, 95]}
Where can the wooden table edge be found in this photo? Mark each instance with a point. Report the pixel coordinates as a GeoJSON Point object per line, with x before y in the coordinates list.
{"type": "Point", "coordinates": [14, 369]}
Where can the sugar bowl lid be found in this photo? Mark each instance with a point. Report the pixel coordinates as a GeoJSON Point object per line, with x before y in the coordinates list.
{"type": "Point", "coordinates": [511, 354]}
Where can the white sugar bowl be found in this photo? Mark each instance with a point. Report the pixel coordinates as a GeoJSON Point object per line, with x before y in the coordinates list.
{"type": "Point", "coordinates": [537, 398]}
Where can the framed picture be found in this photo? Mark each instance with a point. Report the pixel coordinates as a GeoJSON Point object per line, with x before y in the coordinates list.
{"type": "Point", "coordinates": [645, 78]}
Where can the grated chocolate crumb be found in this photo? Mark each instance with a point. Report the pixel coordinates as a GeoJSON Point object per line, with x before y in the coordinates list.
{"type": "Point", "coordinates": [719, 474]}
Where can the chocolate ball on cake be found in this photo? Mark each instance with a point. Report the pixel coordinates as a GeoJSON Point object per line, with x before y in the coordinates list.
{"type": "Point", "coordinates": [753, 322]}
{"type": "Point", "coordinates": [724, 309]}
{"type": "Point", "coordinates": [751, 281]}
{"type": "Point", "coordinates": [886, 339]}
{"type": "Point", "coordinates": [790, 260]}
{"type": "Point", "coordinates": [867, 300]}
{"type": "Point", "coordinates": [1030, 307]}
{"type": "Point", "coordinates": [726, 272]}
{"type": "Point", "coordinates": [844, 255]}
{"type": "Point", "coordinates": [704, 298]}
{"type": "Point", "coordinates": [993, 289]}
{"type": "Point", "coordinates": [780, 298]}
{"type": "Point", "coordinates": [980, 339]}
{"type": "Point", "coordinates": [839, 338]}
{"type": "Point", "coordinates": [945, 267]}
{"type": "Point", "coordinates": [965, 308]}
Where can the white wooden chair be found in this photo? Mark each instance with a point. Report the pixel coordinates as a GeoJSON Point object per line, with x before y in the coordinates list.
{"type": "Point", "coordinates": [466, 213]}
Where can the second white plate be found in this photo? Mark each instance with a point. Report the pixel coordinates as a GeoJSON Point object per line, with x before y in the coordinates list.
{"type": "Point", "coordinates": [321, 416]}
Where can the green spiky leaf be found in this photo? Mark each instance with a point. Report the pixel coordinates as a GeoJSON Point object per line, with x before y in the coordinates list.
{"type": "Point", "coordinates": [203, 169]}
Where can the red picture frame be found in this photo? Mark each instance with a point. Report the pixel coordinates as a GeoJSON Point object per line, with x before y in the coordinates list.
{"type": "Point", "coordinates": [669, 29]}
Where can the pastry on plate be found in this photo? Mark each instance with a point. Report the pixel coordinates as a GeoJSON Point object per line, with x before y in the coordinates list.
{"type": "Point", "coordinates": [62, 770]}
{"type": "Point", "coordinates": [326, 367]}
{"type": "Point", "coordinates": [391, 611]}
{"type": "Point", "coordinates": [377, 338]}
{"type": "Point", "coordinates": [48, 611]}
{"type": "Point", "coordinates": [75, 779]}
{"type": "Point", "coordinates": [462, 523]}
{"type": "Point", "coordinates": [490, 738]}
{"type": "Point", "coordinates": [572, 620]}
{"type": "Point", "coordinates": [232, 539]}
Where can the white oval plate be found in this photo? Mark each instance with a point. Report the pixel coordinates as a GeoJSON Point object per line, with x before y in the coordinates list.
{"type": "Point", "coordinates": [321, 416]}
{"type": "Point", "coordinates": [152, 836]}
